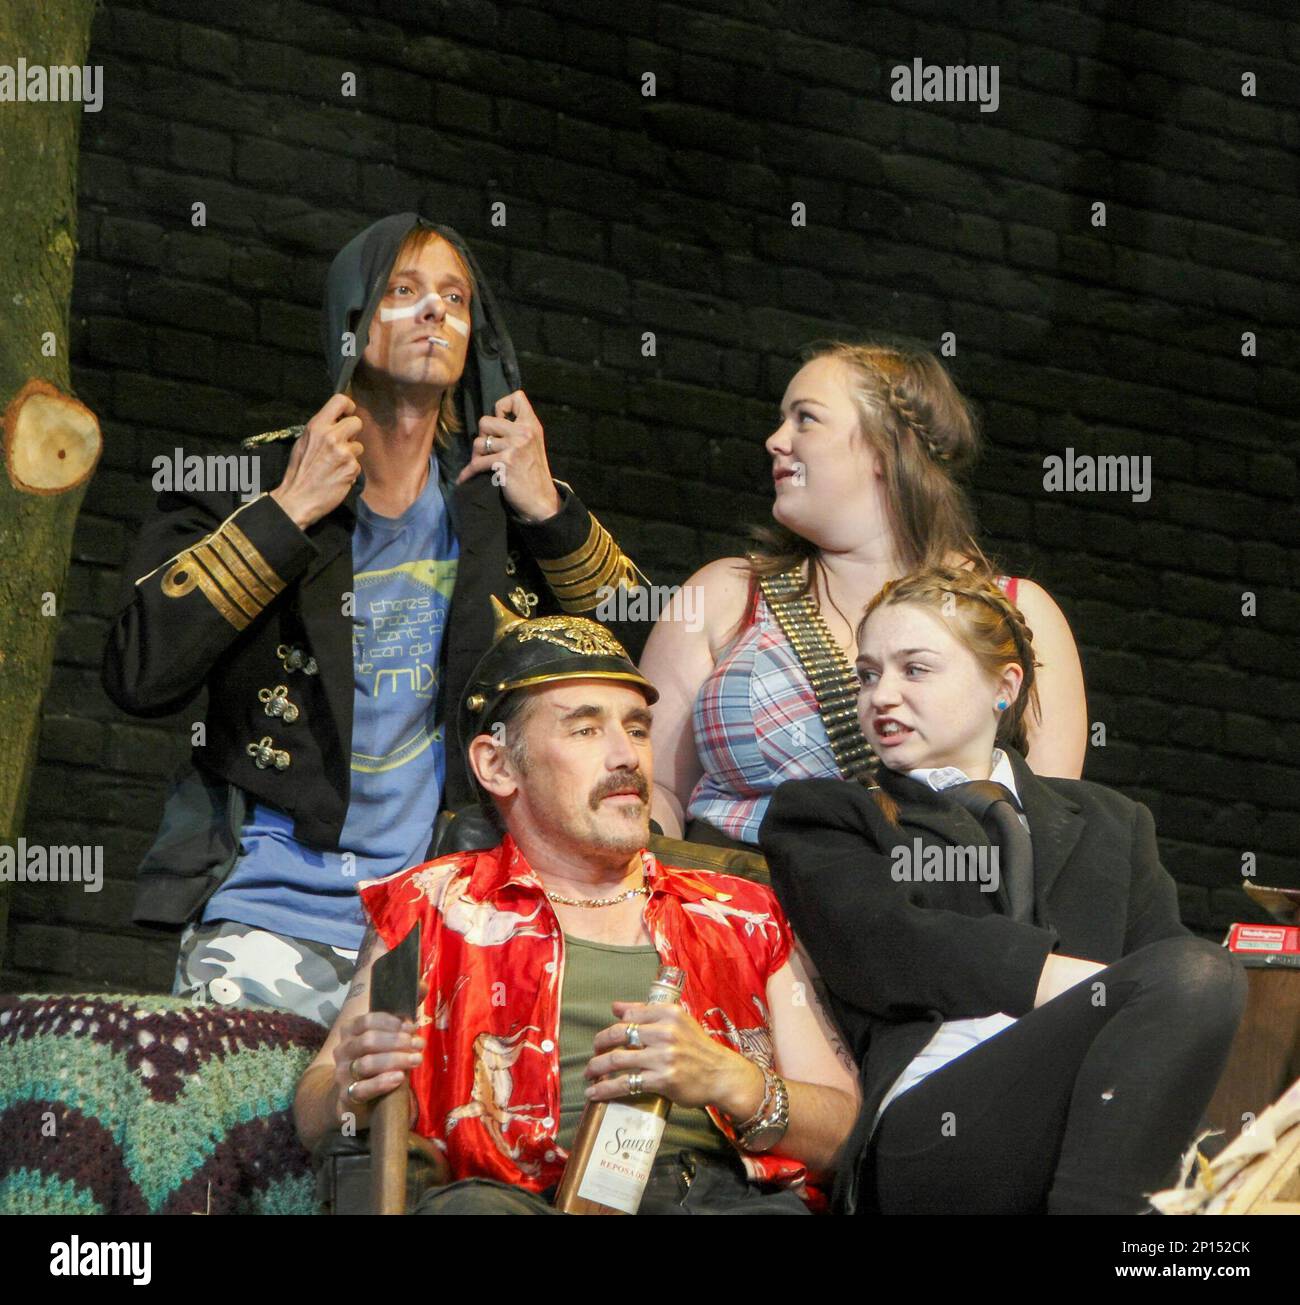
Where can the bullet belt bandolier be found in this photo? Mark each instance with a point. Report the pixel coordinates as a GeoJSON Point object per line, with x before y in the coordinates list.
{"type": "Point", "coordinates": [833, 679]}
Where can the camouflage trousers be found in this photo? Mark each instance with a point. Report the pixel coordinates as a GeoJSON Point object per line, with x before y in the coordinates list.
{"type": "Point", "coordinates": [237, 965]}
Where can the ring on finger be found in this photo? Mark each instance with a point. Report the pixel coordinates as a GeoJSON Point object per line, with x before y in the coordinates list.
{"type": "Point", "coordinates": [633, 1037]}
{"type": "Point", "coordinates": [487, 443]}
{"type": "Point", "coordinates": [348, 1091]}
{"type": "Point", "coordinates": [353, 1070]}
{"type": "Point", "coordinates": [634, 1083]}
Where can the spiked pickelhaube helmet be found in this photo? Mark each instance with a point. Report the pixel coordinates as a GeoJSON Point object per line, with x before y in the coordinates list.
{"type": "Point", "coordinates": [542, 650]}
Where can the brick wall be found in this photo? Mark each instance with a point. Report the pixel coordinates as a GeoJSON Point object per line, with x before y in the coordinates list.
{"type": "Point", "coordinates": [672, 214]}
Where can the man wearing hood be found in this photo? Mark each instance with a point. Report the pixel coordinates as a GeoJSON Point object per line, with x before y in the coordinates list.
{"type": "Point", "coordinates": [333, 618]}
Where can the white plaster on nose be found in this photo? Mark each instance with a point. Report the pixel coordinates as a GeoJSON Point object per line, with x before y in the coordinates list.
{"type": "Point", "coordinates": [431, 300]}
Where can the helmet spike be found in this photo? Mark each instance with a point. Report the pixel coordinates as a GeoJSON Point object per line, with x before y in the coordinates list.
{"type": "Point", "coordinates": [503, 618]}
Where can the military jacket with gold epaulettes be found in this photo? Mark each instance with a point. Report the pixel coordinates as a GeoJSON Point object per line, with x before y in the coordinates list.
{"type": "Point", "coordinates": [232, 596]}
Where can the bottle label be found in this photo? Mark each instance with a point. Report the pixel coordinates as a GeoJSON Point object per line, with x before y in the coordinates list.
{"type": "Point", "coordinates": [618, 1167]}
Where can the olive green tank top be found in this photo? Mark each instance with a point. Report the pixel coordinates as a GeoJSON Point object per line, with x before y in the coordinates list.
{"type": "Point", "coordinates": [596, 975]}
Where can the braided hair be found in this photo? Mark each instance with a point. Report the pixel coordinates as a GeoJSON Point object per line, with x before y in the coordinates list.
{"type": "Point", "coordinates": [925, 437]}
{"type": "Point", "coordinates": [988, 623]}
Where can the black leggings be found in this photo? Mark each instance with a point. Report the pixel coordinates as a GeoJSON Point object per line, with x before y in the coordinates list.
{"type": "Point", "coordinates": [1081, 1107]}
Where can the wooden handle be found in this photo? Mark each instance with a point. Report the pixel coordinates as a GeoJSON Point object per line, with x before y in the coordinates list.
{"type": "Point", "coordinates": [389, 1123]}
{"type": "Point", "coordinates": [395, 988]}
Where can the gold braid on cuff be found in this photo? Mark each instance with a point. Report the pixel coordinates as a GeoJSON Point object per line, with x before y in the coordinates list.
{"type": "Point", "coordinates": [577, 578]}
{"type": "Point", "coordinates": [229, 570]}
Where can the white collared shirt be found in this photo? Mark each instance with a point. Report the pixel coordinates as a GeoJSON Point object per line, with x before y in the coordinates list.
{"type": "Point", "coordinates": [954, 1038]}
{"type": "Point", "coordinates": [942, 777]}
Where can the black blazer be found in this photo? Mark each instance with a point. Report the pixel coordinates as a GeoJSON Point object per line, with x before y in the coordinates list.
{"type": "Point", "coordinates": [899, 958]}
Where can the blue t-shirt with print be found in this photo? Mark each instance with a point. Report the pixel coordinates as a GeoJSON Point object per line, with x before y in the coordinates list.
{"type": "Point", "coordinates": [404, 569]}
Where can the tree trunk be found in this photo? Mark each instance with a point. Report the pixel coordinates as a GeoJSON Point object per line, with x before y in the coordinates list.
{"type": "Point", "coordinates": [51, 442]}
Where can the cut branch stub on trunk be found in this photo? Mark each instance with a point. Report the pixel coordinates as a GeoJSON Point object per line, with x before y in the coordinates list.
{"type": "Point", "coordinates": [52, 442]}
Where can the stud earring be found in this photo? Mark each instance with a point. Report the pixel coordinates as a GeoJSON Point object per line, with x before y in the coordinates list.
{"type": "Point", "coordinates": [1002, 704]}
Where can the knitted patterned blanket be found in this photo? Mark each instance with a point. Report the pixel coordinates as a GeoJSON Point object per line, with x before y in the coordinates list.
{"type": "Point", "coordinates": [135, 1105]}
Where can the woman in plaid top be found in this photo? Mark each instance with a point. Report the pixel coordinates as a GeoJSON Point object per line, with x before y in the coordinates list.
{"type": "Point", "coordinates": [864, 463]}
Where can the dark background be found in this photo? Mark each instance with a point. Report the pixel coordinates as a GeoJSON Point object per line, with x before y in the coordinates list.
{"type": "Point", "coordinates": [671, 214]}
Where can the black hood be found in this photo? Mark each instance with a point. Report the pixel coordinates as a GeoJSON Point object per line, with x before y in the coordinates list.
{"type": "Point", "coordinates": [356, 283]}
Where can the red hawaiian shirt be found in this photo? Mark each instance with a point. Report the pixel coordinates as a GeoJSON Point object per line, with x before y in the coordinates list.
{"type": "Point", "coordinates": [492, 952]}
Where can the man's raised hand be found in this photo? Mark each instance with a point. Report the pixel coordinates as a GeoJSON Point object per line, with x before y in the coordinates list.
{"type": "Point", "coordinates": [516, 451]}
{"type": "Point", "coordinates": [324, 464]}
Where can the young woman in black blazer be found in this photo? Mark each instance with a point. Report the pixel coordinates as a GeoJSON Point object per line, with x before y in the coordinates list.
{"type": "Point", "coordinates": [1049, 1048]}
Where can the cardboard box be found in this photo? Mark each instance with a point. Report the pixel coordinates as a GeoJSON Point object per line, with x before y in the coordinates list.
{"type": "Point", "coordinates": [1265, 944]}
